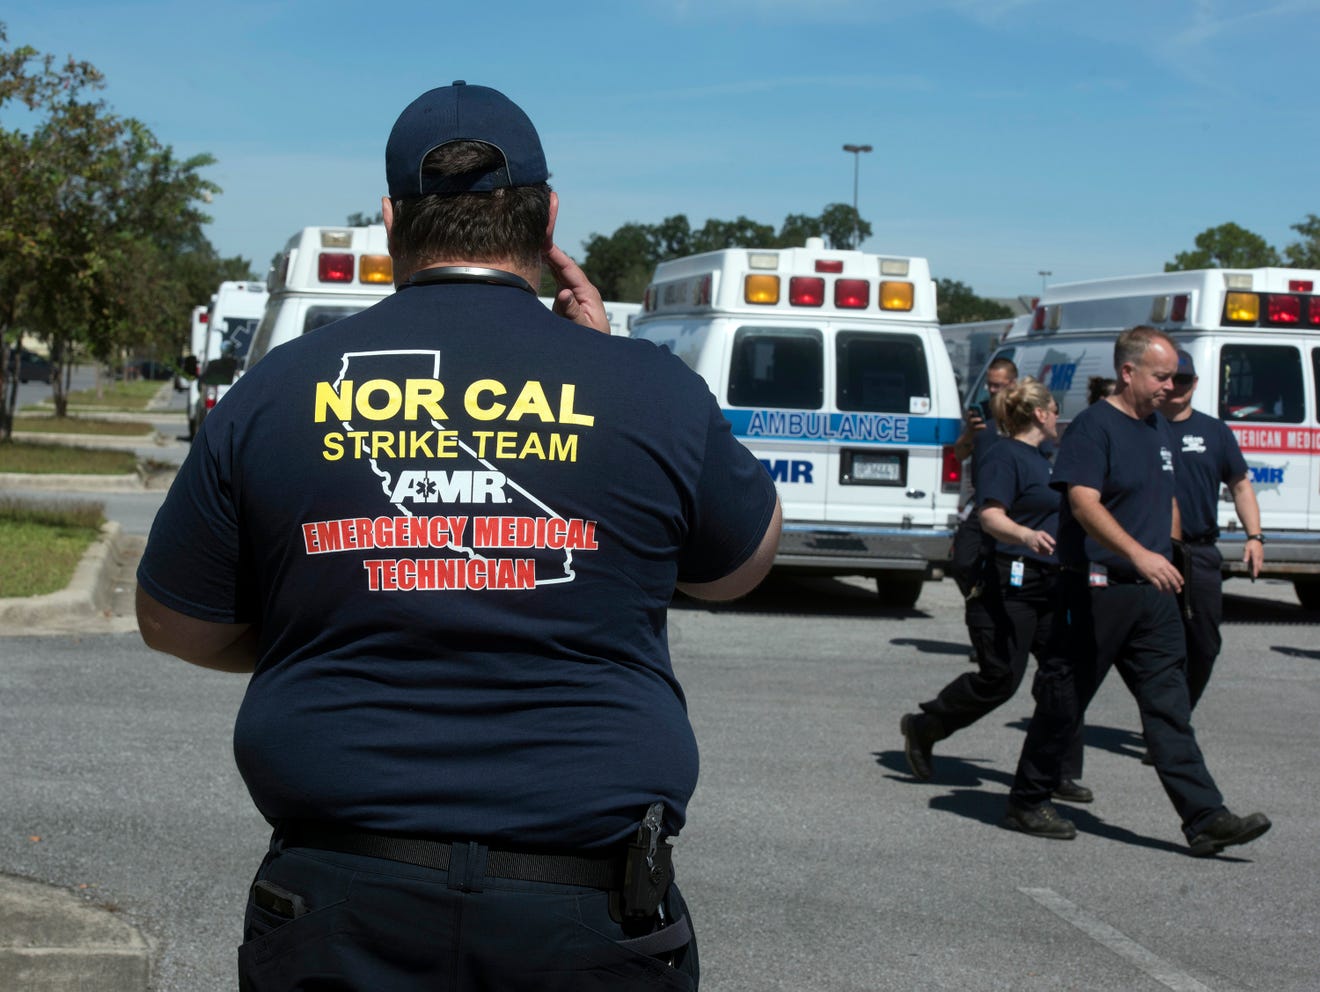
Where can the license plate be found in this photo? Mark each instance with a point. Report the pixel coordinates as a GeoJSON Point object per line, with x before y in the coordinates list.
{"type": "Point", "coordinates": [877, 468]}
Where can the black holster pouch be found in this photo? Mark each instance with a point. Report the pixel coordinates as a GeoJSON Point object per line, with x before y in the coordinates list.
{"type": "Point", "coordinates": [1182, 561]}
{"type": "Point", "coordinates": [648, 868]}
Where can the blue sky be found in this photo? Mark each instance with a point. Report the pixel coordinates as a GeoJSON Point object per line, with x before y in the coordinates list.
{"type": "Point", "coordinates": [1010, 136]}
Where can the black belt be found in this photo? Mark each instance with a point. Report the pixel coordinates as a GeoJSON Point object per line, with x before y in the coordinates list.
{"type": "Point", "coordinates": [1211, 539]}
{"type": "Point", "coordinates": [604, 872]}
{"type": "Point", "coordinates": [1041, 566]}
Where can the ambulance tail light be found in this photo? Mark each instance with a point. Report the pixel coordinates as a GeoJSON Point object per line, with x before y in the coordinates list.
{"type": "Point", "coordinates": [1301, 286]}
{"type": "Point", "coordinates": [951, 474]}
{"type": "Point", "coordinates": [896, 296]}
{"type": "Point", "coordinates": [806, 291]}
{"type": "Point", "coordinates": [1280, 309]}
{"type": "Point", "coordinates": [211, 397]}
{"type": "Point", "coordinates": [335, 267]}
{"type": "Point", "coordinates": [834, 265]}
{"type": "Point", "coordinates": [761, 289]}
{"type": "Point", "coordinates": [1178, 312]}
{"type": "Point", "coordinates": [705, 290]}
{"type": "Point", "coordinates": [1038, 319]}
{"type": "Point", "coordinates": [1313, 311]}
{"type": "Point", "coordinates": [852, 294]}
{"type": "Point", "coordinates": [375, 269]}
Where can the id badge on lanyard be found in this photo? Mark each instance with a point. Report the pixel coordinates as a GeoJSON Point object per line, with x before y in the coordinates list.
{"type": "Point", "coordinates": [1017, 572]}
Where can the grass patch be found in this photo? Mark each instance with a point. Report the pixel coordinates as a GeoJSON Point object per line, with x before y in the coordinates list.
{"type": "Point", "coordinates": [61, 459]}
{"type": "Point", "coordinates": [117, 395]}
{"type": "Point", "coordinates": [52, 424]}
{"type": "Point", "coordinates": [44, 542]}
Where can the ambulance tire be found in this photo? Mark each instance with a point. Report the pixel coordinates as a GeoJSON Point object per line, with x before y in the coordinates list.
{"type": "Point", "coordinates": [1308, 593]}
{"type": "Point", "coordinates": [900, 591]}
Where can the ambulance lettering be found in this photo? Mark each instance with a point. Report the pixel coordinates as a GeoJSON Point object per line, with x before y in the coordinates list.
{"type": "Point", "coordinates": [1267, 478]}
{"type": "Point", "coordinates": [784, 470]}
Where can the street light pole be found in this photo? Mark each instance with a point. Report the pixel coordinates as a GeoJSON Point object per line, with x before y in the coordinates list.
{"type": "Point", "coordinates": [1044, 274]}
{"type": "Point", "coordinates": [856, 152]}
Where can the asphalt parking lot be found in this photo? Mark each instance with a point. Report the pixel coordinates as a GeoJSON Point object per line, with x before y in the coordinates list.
{"type": "Point", "coordinates": [811, 859]}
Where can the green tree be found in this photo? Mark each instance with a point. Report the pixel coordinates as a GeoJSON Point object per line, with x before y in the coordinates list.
{"type": "Point", "coordinates": [842, 227]}
{"type": "Point", "coordinates": [795, 230]}
{"type": "Point", "coordinates": [958, 304]}
{"type": "Point", "coordinates": [741, 233]}
{"type": "Point", "coordinates": [101, 243]}
{"type": "Point", "coordinates": [364, 220]}
{"type": "Point", "coordinates": [1227, 246]}
{"type": "Point", "coordinates": [1305, 254]}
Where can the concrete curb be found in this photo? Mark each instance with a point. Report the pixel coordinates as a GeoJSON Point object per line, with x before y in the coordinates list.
{"type": "Point", "coordinates": [90, 440]}
{"type": "Point", "coordinates": [88, 594]}
{"type": "Point", "coordinates": [52, 941]}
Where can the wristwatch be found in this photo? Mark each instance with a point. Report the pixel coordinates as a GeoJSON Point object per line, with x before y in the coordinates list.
{"type": "Point", "coordinates": [1256, 537]}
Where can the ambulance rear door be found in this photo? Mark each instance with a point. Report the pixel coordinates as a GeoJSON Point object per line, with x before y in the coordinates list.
{"type": "Point", "coordinates": [884, 455]}
{"type": "Point", "coordinates": [1265, 391]}
{"type": "Point", "coordinates": [776, 386]}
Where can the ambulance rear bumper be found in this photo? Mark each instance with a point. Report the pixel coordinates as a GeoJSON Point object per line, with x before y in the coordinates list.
{"type": "Point", "coordinates": [1288, 554]}
{"type": "Point", "coordinates": [862, 549]}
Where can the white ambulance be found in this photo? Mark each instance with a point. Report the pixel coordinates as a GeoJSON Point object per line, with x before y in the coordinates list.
{"type": "Point", "coordinates": [323, 274]}
{"type": "Point", "coordinates": [1254, 335]}
{"type": "Point", "coordinates": [830, 367]}
{"type": "Point", "coordinates": [231, 322]}
{"type": "Point", "coordinates": [186, 376]}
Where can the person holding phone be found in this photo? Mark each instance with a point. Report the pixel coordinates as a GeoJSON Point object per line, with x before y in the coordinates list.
{"type": "Point", "coordinates": [441, 535]}
{"type": "Point", "coordinates": [1020, 513]}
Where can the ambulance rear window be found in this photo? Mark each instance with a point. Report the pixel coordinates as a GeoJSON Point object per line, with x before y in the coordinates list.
{"type": "Point", "coordinates": [1261, 383]}
{"type": "Point", "coordinates": [778, 367]}
{"type": "Point", "coordinates": [318, 317]}
{"type": "Point", "coordinates": [880, 373]}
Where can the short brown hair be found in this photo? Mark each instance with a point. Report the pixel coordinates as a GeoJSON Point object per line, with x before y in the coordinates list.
{"type": "Point", "coordinates": [502, 225]}
{"type": "Point", "coordinates": [1132, 344]}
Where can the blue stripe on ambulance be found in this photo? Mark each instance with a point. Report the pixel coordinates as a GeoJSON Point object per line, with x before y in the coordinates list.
{"type": "Point", "coordinates": [849, 428]}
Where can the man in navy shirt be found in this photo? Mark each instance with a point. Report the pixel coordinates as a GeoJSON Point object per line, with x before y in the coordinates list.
{"type": "Point", "coordinates": [442, 535]}
{"type": "Point", "coordinates": [1118, 519]}
{"type": "Point", "coordinates": [1209, 457]}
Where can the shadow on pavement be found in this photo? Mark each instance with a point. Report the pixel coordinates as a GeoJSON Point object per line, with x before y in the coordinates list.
{"type": "Point", "coordinates": [805, 595]}
{"type": "Point", "coordinates": [932, 647]}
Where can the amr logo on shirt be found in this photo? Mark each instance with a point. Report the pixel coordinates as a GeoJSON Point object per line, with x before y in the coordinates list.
{"type": "Point", "coordinates": [1193, 444]}
{"type": "Point", "coordinates": [1166, 456]}
{"type": "Point", "coordinates": [461, 521]}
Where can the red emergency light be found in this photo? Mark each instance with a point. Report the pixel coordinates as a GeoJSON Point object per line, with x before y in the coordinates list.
{"type": "Point", "coordinates": [335, 266]}
{"type": "Point", "coordinates": [829, 265]}
{"type": "Point", "coordinates": [852, 294]}
{"type": "Point", "coordinates": [806, 291]}
{"type": "Point", "coordinates": [1280, 309]}
{"type": "Point", "coordinates": [951, 473]}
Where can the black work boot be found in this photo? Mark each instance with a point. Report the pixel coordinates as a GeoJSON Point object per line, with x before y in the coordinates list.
{"type": "Point", "coordinates": [1042, 821]}
{"type": "Point", "coordinates": [1225, 830]}
{"type": "Point", "coordinates": [919, 736]}
{"type": "Point", "coordinates": [1072, 791]}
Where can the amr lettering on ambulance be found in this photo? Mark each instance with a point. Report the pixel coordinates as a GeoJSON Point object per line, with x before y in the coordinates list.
{"type": "Point", "coordinates": [830, 366]}
{"type": "Point", "coordinates": [386, 411]}
{"type": "Point", "coordinates": [1254, 335]}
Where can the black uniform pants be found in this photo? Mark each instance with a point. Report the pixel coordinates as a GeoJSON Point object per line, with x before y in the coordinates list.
{"type": "Point", "coordinates": [1009, 624]}
{"type": "Point", "coordinates": [1204, 592]}
{"type": "Point", "coordinates": [376, 924]}
{"type": "Point", "coordinates": [1137, 628]}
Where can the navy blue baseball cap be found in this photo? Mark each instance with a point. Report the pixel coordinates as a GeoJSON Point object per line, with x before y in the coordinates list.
{"type": "Point", "coordinates": [1185, 364]}
{"type": "Point", "coordinates": [462, 113]}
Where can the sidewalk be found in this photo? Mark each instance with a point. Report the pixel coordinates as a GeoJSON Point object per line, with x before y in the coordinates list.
{"type": "Point", "coordinates": [51, 939]}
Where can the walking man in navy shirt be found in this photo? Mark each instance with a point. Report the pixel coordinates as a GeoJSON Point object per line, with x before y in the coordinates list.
{"type": "Point", "coordinates": [1117, 522]}
{"type": "Point", "coordinates": [1209, 457]}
